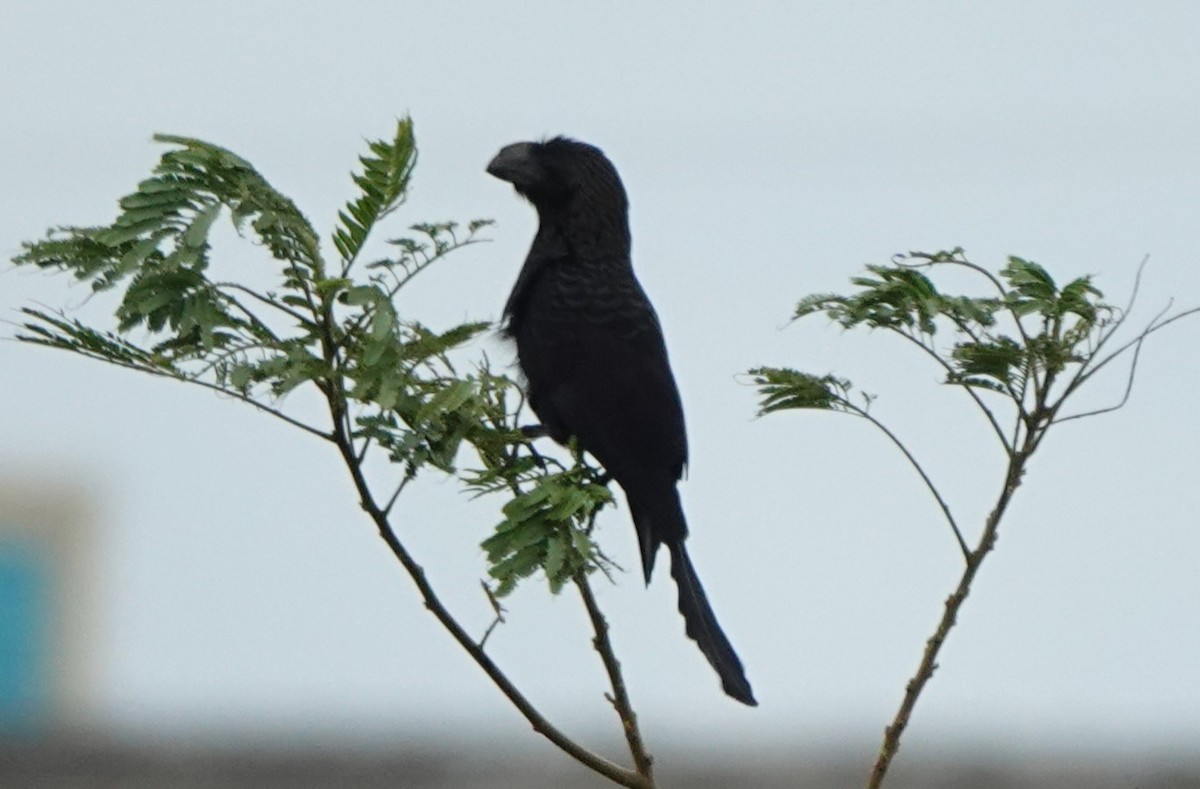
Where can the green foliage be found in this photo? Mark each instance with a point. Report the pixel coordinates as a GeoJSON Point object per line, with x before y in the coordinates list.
{"type": "Point", "coordinates": [383, 183]}
{"type": "Point", "coordinates": [548, 523]}
{"type": "Point", "coordinates": [1028, 344]}
{"type": "Point", "coordinates": [1018, 340]}
{"type": "Point", "coordinates": [548, 527]}
{"type": "Point", "coordinates": [784, 388]}
{"type": "Point", "coordinates": [389, 381]}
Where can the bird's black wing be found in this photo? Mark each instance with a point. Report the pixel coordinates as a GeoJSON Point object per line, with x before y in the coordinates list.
{"type": "Point", "coordinates": [597, 369]}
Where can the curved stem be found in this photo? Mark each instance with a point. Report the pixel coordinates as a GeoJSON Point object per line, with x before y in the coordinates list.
{"type": "Point", "coordinates": [614, 772]}
{"type": "Point", "coordinates": [342, 437]}
{"type": "Point", "coordinates": [179, 376]}
{"type": "Point", "coordinates": [1112, 329]}
{"type": "Point", "coordinates": [1158, 323]}
{"type": "Point", "coordinates": [912, 691]}
{"type": "Point", "coordinates": [270, 302]}
{"type": "Point", "coordinates": [974, 395]}
{"type": "Point", "coordinates": [962, 543]}
{"type": "Point", "coordinates": [642, 760]}
{"type": "Point", "coordinates": [1137, 352]}
{"type": "Point", "coordinates": [999, 286]}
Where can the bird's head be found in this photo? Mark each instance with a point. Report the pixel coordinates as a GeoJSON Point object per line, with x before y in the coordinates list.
{"type": "Point", "coordinates": [560, 173]}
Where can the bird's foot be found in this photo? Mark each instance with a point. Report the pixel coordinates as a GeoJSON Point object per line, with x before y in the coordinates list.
{"type": "Point", "coordinates": [534, 431]}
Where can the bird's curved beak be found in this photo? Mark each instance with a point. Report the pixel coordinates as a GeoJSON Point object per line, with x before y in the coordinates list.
{"type": "Point", "coordinates": [516, 164]}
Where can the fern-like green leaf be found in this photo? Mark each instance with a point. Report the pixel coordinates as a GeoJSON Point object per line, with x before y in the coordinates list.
{"type": "Point", "coordinates": [784, 388]}
{"type": "Point", "coordinates": [382, 183]}
{"type": "Point", "coordinates": [1000, 359]}
{"type": "Point", "coordinates": [205, 172]}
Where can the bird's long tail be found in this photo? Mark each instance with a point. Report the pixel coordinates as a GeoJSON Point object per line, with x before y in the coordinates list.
{"type": "Point", "coordinates": [702, 627]}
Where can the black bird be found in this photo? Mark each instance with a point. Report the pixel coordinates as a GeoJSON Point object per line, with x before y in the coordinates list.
{"type": "Point", "coordinates": [595, 364]}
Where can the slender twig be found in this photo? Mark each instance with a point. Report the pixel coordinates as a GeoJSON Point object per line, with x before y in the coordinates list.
{"type": "Point", "coordinates": [496, 608]}
{"type": "Point", "coordinates": [540, 724]}
{"type": "Point", "coordinates": [999, 286]}
{"type": "Point", "coordinates": [857, 411]}
{"type": "Point", "coordinates": [1016, 319]}
{"type": "Point", "coordinates": [1137, 351]}
{"type": "Point", "coordinates": [314, 305]}
{"type": "Point", "coordinates": [179, 376]}
{"type": "Point", "coordinates": [264, 299]}
{"type": "Point", "coordinates": [1136, 343]}
{"type": "Point", "coordinates": [1150, 329]}
{"type": "Point", "coordinates": [342, 437]}
{"type": "Point", "coordinates": [431, 259]}
{"type": "Point", "coordinates": [965, 328]}
{"type": "Point", "coordinates": [892, 734]}
{"type": "Point", "coordinates": [218, 358]}
{"type": "Point", "coordinates": [400, 281]}
{"type": "Point", "coordinates": [366, 446]}
{"type": "Point", "coordinates": [987, 412]}
{"type": "Point", "coordinates": [254, 320]}
{"type": "Point", "coordinates": [1123, 316]}
{"type": "Point", "coordinates": [391, 502]}
{"type": "Point", "coordinates": [642, 760]}
{"type": "Point", "coordinates": [236, 395]}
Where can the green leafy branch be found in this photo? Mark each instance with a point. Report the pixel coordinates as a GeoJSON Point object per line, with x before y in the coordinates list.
{"type": "Point", "coordinates": [549, 518]}
{"type": "Point", "coordinates": [548, 525]}
{"type": "Point", "coordinates": [784, 389]}
{"type": "Point", "coordinates": [389, 383]}
{"type": "Point", "coordinates": [1019, 351]}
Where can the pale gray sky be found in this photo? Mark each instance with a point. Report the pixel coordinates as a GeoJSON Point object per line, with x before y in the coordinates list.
{"type": "Point", "coordinates": [770, 150]}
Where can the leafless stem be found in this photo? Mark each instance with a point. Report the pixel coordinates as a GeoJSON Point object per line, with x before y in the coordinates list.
{"type": "Point", "coordinates": [366, 446]}
{"type": "Point", "coordinates": [999, 286]}
{"type": "Point", "coordinates": [179, 376]}
{"type": "Point", "coordinates": [496, 608]}
{"type": "Point", "coordinates": [642, 760]}
{"type": "Point", "coordinates": [962, 543]}
{"type": "Point", "coordinates": [1152, 327]}
{"type": "Point", "coordinates": [614, 772]}
{"type": "Point", "coordinates": [912, 691]}
{"type": "Point", "coordinates": [1137, 350]}
{"type": "Point", "coordinates": [264, 299]}
{"type": "Point", "coordinates": [987, 412]}
{"type": "Point", "coordinates": [1124, 314]}
{"type": "Point", "coordinates": [391, 502]}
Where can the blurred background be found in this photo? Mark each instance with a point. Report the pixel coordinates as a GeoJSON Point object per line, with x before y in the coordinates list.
{"type": "Point", "coordinates": [189, 595]}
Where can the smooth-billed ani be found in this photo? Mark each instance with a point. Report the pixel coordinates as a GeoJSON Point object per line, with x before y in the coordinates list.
{"type": "Point", "coordinates": [595, 364]}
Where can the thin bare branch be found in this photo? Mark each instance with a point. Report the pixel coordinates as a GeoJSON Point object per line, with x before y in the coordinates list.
{"type": "Point", "coordinates": [1109, 331]}
{"type": "Point", "coordinates": [497, 609]}
{"type": "Point", "coordinates": [1124, 398]}
{"type": "Point", "coordinates": [987, 412]}
{"type": "Point", "coordinates": [391, 502]}
{"type": "Point", "coordinates": [1152, 327]}
{"type": "Point", "coordinates": [540, 724]}
{"type": "Point", "coordinates": [962, 543]}
{"type": "Point", "coordinates": [1125, 313]}
{"type": "Point", "coordinates": [642, 760]}
{"type": "Point", "coordinates": [176, 375]}
{"type": "Point", "coordinates": [266, 409]}
{"type": "Point", "coordinates": [928, 664]}
{"type": "Point", "coordinates": [366, 446]}
{"type": "Point", "coordinates": [264, 299]}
